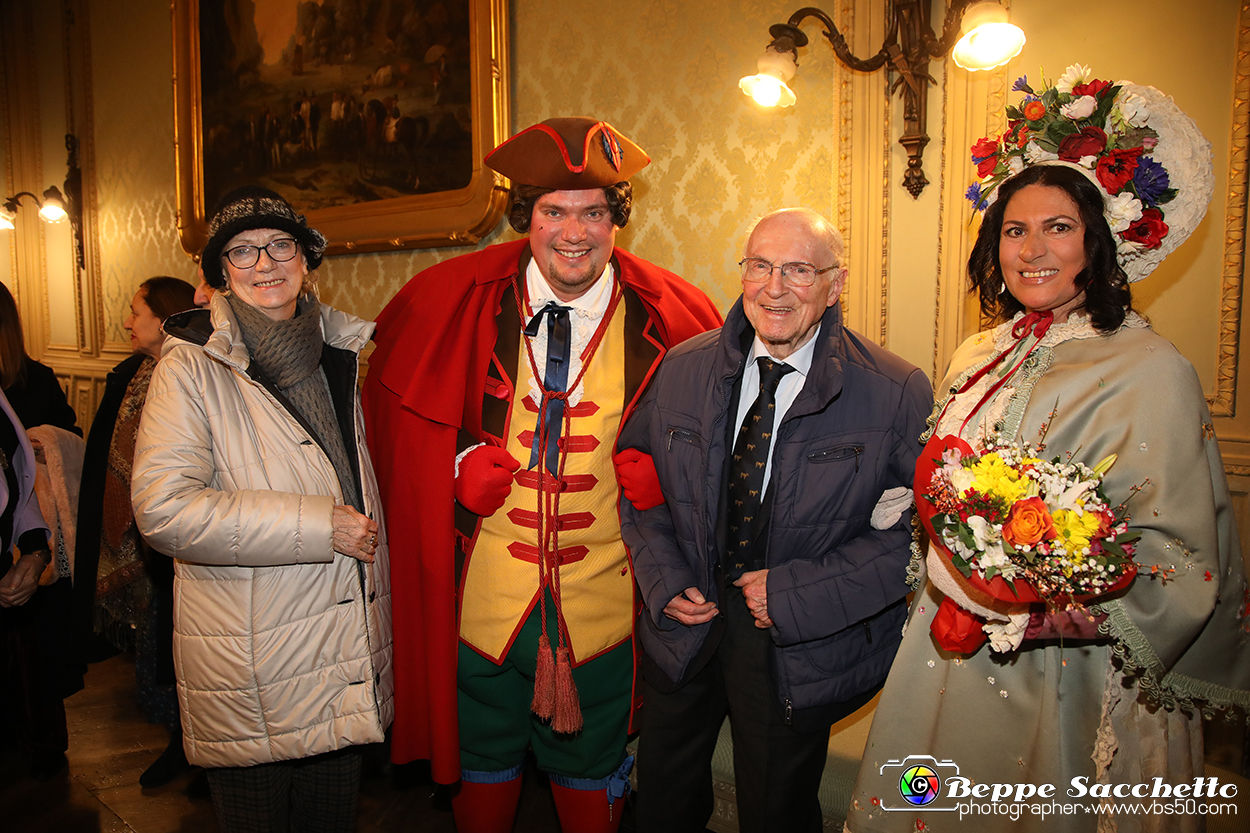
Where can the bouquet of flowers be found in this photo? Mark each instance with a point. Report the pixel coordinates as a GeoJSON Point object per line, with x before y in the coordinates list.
{"type": "Point", "coordinates": [1022, 528]}
{"type": "Point", "coordinates": [1097, 126]}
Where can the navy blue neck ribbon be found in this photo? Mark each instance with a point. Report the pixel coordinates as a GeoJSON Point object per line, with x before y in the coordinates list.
{"type": "Point", "coordinates": [556, 379]}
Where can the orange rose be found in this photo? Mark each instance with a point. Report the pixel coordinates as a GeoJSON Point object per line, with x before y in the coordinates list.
{"type": "Point", "coordinates": [1028, 523]}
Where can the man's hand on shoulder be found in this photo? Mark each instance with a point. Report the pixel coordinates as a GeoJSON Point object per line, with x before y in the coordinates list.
{"type": "Point", "coordinates": [690, 608]}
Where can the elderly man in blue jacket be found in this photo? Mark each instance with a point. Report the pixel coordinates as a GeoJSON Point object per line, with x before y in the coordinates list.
{"type": "Point", "coordinates": [775, 573]}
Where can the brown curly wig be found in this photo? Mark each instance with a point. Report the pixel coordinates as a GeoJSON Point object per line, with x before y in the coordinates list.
{"type": "Point", "coordinates": [522, 197]}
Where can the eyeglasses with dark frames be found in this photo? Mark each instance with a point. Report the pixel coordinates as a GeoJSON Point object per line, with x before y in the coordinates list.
{"type": "Point", "coordinates": [279, 251]}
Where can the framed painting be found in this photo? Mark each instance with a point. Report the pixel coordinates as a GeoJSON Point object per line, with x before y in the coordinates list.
{"type": "Point", "coordinates": [370, 117]}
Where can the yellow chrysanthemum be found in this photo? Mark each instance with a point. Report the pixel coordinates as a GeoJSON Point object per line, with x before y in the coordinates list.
{"type": "Point", "coordinates": [1074, 529]}
{"type": "Point", "coordinates": [994, 477]}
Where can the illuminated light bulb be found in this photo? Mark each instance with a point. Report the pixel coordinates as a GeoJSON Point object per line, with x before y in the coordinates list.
{"type": "Point", "coordinates": [989, 41]}
{"type": "Point", "coordinates": [768, 85]}
{"type": "Point", "coordinates": [53, 213]}
{"type": "Point", "coordinates": [53, 208]}
{"type": "Point", "coordinates": [767, 91]}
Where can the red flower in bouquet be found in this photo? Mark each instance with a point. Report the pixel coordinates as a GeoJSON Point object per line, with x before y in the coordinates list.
{"type": "Point", "coordinates": [1116, 169]}
{"type": "Point", "coordinates": [1033, 109]}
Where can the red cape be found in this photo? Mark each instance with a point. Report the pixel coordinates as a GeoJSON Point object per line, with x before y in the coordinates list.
{"type": "Point", "coordinates": [434, 343]}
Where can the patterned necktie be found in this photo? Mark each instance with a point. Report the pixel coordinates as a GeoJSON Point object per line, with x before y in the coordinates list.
{"type": "Point", "coordinates": [746, 471]}
{"type": "Point", "coordinates": [555, 379]}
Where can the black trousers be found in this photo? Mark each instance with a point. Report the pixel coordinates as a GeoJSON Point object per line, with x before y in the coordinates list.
{"type": "Point", "coordinates": [777, 769]}
{"type": "Point", "coordinates": [36, 674]}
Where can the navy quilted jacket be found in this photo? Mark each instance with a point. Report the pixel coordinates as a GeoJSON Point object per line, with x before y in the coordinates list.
{"type": "Point", "coordinates": [835, 584]}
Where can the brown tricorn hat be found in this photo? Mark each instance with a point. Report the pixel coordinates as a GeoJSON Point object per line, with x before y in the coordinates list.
{"type": "Point", "coordinates": [568, 155]}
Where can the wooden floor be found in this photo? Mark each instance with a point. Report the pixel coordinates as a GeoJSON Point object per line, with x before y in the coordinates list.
{"type": "Point", "coordinates": [110, 744]}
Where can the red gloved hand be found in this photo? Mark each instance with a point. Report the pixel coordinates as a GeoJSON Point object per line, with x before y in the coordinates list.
{"type": "Point", "coordinates": [485, 479]}
{"type": "Point", "coordinates": [639, 481]}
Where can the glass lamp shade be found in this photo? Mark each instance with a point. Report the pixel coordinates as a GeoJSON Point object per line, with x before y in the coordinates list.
{"type": "Point", "coordinates": [988, 47]}
{"type": "Point", "coordinates": [768, 85]}
{"type": "Point", "coordinates": [53, 208]}
{"type": "Point", "coordinates": [988, 41]}
{"type": "Point", "coordinates": [767, 90]}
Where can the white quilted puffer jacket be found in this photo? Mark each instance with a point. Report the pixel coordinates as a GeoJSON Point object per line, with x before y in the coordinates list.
{"type": "Point", "coordinates": [282, 647]}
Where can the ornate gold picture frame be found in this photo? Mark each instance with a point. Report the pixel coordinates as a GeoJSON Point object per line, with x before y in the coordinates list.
{"type": "Point", "coordinates": [373, 128]}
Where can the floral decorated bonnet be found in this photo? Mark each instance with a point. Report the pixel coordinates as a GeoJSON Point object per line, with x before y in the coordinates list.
{"type": "Point", "coordinates": [1149, 159]}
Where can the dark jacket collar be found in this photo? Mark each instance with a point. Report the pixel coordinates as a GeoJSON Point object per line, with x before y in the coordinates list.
{"type": "Point", "coordinates": [193, 325]}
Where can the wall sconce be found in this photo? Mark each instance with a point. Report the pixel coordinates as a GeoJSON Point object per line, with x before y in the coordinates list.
{"type": "Point", "coordinates": [985, 41]}
{"type": "Point", "coordinates": [51, 207]}
{"type": "Point", "coordinates": [55, 207]}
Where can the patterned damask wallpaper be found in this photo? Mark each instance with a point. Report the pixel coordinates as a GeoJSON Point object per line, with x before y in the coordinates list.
{"type": "Point", "coordinates": [134, 155]}
{"type": "Point", "coordinates": [669, 83]}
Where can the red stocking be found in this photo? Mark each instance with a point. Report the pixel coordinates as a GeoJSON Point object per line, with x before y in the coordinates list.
{"type": "Point", "coordinates": [486, 808]}
{"type": "Point", "coordinates": [586, 811]}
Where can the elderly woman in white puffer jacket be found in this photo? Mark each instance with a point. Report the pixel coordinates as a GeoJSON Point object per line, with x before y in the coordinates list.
{"type": "Point", "coordinates": [251, 471]}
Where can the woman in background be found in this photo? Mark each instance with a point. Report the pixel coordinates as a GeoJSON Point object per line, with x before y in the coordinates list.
{"type": "Point", "coordinates": [35, 673]}
{"type": "Point", "coordinates": [124, 591]}
{"type": "Point", "coordinates": [31, 387]}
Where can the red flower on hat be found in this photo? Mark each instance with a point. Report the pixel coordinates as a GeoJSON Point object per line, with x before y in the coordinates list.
{"type": "Point", "coordinates": [985, 154]}
{"type": "Point", "coordinates": [1091, 88]}
{"type": "Point", "coordinates": [1091, 141]}
{"type": "Point", "coordinates": [1116, 169]}
{"type": "Point", "coordinates": [1149, 231]}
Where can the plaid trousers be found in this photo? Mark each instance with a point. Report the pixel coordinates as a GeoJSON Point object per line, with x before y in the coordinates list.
{"type": "Point", "coordinates": [306, 795]}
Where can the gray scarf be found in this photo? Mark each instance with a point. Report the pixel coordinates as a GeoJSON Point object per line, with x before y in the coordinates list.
{"type": "Point", "coordinates": [288, 353]}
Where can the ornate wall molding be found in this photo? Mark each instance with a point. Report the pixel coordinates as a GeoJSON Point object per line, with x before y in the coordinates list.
{"type": "Point", "coordinates": [865, 178]}
{"type": "Point", "coordinates": [24, 168]}
{"type": "Point", "coordinates": [1223, 399]}
{"type": "Point", "coordinates": [80, 121]}
{"type": "Point", "coordinates": [82, 379]}
{"type": "Point", "coordinates": [887, 155]}
{"type": "Point", "coordinates": [972, 106]}
{"type": "Point", "coordinates": [845, 17]}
